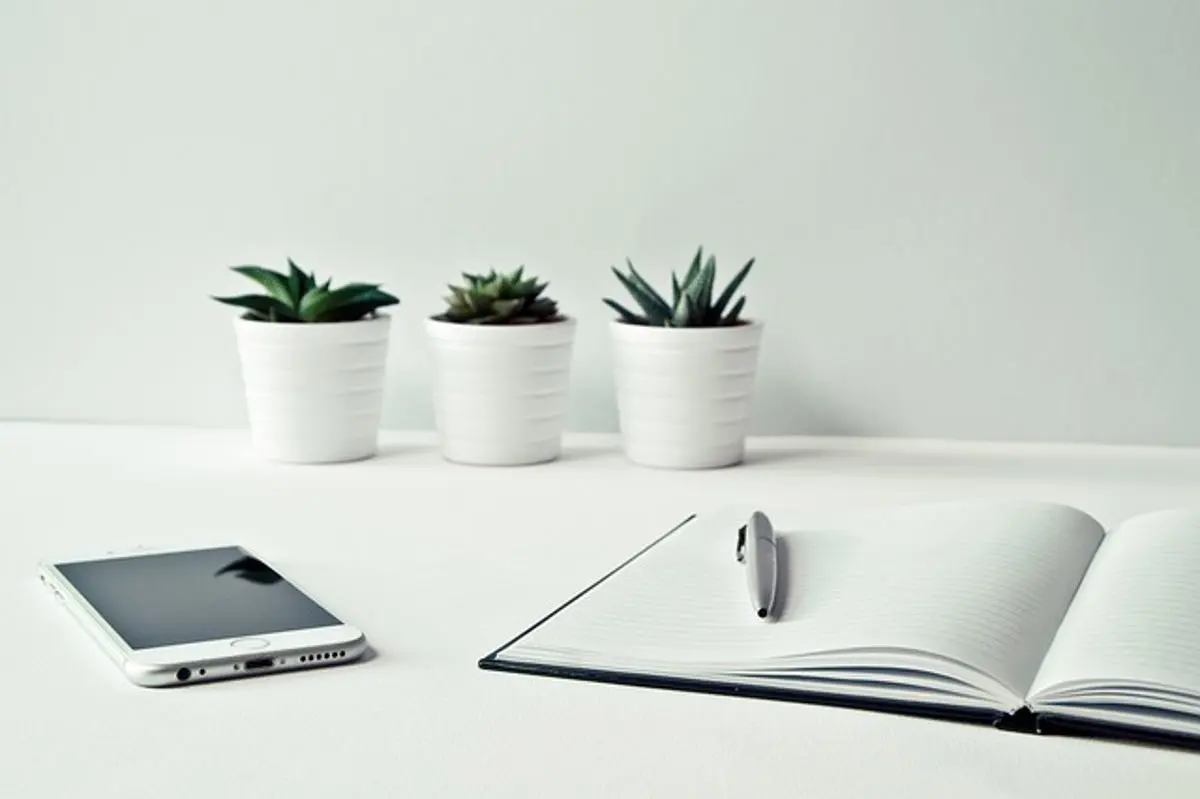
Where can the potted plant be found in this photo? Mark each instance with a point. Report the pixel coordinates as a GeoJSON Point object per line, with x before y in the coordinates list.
{"type": "Point", "coordinates": [501, 370]}
{"type": "Point", "coordinates": [313, 361]}
{"type": "Point", "coordinates": [685, 369]}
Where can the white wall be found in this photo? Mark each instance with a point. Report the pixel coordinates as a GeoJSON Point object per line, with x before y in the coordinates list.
{"type": "Point", "coordinates": [972, 219]}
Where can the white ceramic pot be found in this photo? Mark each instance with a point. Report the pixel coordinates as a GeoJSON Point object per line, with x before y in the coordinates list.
{"type": "Point", "coordinates": [500, 391]}
{"type": "Point", "coordinates": [684, 394]}
{"type": "Point", "coordinates": [314, 391]}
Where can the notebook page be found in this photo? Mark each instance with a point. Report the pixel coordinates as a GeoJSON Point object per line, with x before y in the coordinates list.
{"type": "Point", "coordinates": [1137, 613]}
{"type": "Point", "coordinates": [984, 583]}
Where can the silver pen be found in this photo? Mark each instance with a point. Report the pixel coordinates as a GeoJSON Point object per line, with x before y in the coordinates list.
{"type": "Point", "coordinates": [756, 549]}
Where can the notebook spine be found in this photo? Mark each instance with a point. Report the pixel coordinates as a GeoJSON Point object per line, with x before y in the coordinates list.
{"type": "Point", "coordinates": [1021, 720]}
{"type": "Point", "coordinates": [1054, 724]}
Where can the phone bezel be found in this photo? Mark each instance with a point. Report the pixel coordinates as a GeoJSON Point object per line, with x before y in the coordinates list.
{"type": "Point", "coordinates": [205, 661]}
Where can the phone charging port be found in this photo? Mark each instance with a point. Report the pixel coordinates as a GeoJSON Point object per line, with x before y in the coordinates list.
{"type": "Point", "coordinates": [260, 663]}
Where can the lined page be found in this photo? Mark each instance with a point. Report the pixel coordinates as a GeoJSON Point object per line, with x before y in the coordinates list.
{"type": "Point", "coordinates": [983, 583]}
{"type": "Point", "coordinates": [1137, 615]}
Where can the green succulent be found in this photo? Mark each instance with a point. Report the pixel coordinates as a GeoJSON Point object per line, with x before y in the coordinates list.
{"type": "Point", "coordinates": [692, 303]}
{"type": "Point", "coordinates": [499, 299]}
{"type": "Point", "coordinates": [297, 297]}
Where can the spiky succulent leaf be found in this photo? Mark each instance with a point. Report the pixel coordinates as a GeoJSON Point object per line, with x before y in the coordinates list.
{"type": "Point", "coordinates": [275, 283]}
{"type": "Point", "coordinates": [313, 303]}
{"type": "Point", "coordinates": [732, 318]}
{"type": "Point", "coordinates": [358, 309]}
{"type": "Point", "coordinates": [660, 304]}
{"type": "Point", "coordinates": [694, 268]}
{"type": "Point", "coordinates": [506, 308]}
{"type": "Point", "coordinates": [499, 299]}
{"type": "Point", "coordinates": [652, 305]}
{"type": "Point", "coordinates": [542, 307]}
{"type": "Point", "coordinates": [692, 303]}
{"type": "Point", "coordinates": [726, 295]}
{"type": "Point", "coordinates": [297, 281]}
{"type": "Point", "coordinates": [706, 286]}
{"type": "Point", "coordinates": [626, 314]}
{"type": "Point", "coordinates": [695, 296]}
{"type": "Point", "coordinates": [261, 307]}
{"type": "Point", "coordinates": [296, 297]}
{"type": "Point", "coordinates": [684, 312]}
{"type": "Point", "coordinates": [321, 302]}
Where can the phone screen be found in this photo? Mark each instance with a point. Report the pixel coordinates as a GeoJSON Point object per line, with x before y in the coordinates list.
{"type": "Point", "coordinates": [186, 597]}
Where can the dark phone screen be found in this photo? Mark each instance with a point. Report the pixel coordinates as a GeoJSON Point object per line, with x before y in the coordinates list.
{"type": "Point", "coordinates": [186, 597]}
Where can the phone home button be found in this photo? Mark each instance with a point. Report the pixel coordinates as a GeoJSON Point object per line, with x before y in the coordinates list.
{"type": "Point", "coordinates": [249, 643]}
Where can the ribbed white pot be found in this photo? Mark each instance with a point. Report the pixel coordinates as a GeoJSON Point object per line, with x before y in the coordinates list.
{"type": "Point", "coordinates": [684, 394]}
{"type": "Point", "coordinates": [314, 392]}
{"type": "Point", "coordinates": [500, 391]}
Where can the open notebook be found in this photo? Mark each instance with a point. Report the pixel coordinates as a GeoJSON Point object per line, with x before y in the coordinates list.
{"type": "Point", "coordinates": [1025, 614]}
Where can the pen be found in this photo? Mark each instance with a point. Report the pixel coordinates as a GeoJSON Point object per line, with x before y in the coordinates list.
{"type": "Point", "coordinates": [756, 548]}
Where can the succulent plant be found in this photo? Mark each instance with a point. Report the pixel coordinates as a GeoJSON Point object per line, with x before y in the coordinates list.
{"type": "Point", "coordinates": [692, 303]}
{"type": "Point", "coordinates": [298, 297]}
{"type": "Point", "coordinates": [499, 299]}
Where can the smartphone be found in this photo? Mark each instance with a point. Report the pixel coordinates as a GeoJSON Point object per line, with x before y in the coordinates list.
{"type": "Point", "coordinates": [187, 616]}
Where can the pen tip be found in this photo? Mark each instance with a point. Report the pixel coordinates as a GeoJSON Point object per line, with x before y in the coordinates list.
{"type": "Point", "coordinates": [762, 613]}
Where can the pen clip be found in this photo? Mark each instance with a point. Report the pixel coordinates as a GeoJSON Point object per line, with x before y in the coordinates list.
{"type": "Point", "coordinates": [741, 544]}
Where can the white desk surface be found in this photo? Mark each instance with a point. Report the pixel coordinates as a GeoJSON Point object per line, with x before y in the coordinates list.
{"type": "Point", "coordinates": [440, 564]}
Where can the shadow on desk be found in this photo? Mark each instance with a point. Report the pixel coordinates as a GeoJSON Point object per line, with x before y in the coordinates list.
{"type": "Point", "coordinates": [427, 453]}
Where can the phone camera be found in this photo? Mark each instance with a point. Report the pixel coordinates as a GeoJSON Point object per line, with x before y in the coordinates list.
{"type": "Point", "coordinates": [184, 674]}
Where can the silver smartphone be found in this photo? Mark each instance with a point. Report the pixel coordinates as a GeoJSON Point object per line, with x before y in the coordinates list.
{"type": "Point", "coordinates": [181, 617]}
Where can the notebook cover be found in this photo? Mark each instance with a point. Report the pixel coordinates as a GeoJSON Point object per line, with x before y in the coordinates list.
{"type": "Point", "coordinates": [492, 662]}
